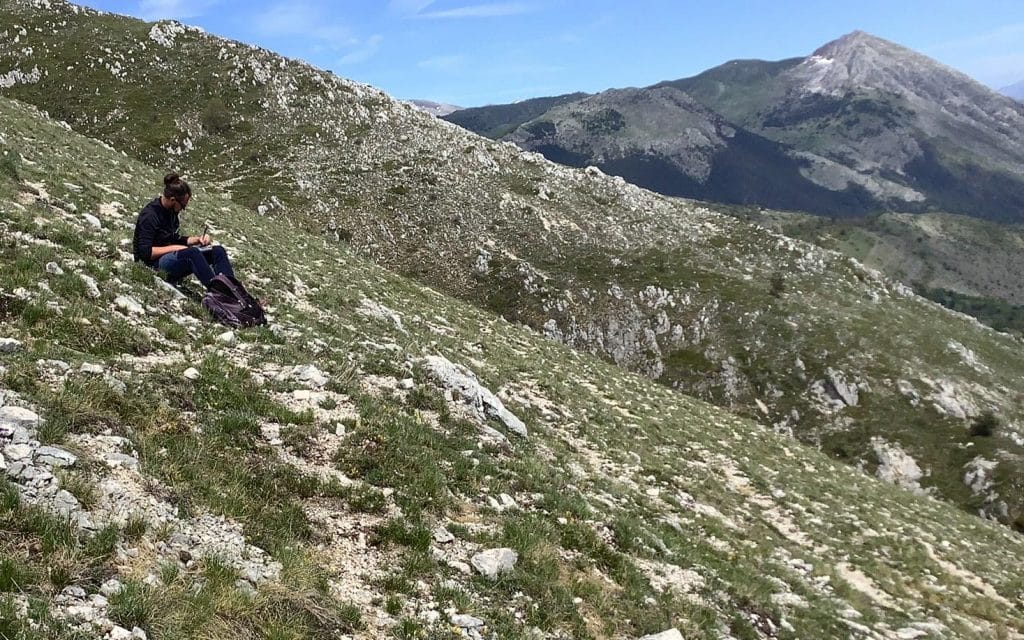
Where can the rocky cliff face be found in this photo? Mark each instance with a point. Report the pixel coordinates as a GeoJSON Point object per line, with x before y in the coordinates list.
{"type": "Point", "coordinates": [386, 461]}
{"type": "Point", "coordinates": [711, 306]}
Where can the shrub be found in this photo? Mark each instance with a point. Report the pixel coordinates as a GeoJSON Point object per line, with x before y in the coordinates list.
{"type": "Point", "coordinates": [10, 164]}
{"type": "Point", "coordinates": [215, 117]}
{"type": "Point", "coordinates": [985, 424]}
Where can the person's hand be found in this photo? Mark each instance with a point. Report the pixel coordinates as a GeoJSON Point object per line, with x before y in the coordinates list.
{"type": "Point", "coordinates": [204, 240]}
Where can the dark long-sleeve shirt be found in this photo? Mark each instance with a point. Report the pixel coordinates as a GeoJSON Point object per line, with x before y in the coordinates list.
{"type": "Point", "coordinates": [157, 226]}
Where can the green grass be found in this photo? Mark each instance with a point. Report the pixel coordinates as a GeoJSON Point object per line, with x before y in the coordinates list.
{"type": "Point", "coordinates": [599, 483]}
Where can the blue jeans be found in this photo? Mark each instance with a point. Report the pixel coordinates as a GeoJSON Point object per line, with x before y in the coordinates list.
{"type": "Point", "coordinates": [204, 264]}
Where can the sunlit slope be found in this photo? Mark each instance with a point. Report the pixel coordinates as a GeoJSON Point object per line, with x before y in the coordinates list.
{"type": "Point", "coordinates": [294, 483]}
{"type": "Point", "coordinates": [801, 339]}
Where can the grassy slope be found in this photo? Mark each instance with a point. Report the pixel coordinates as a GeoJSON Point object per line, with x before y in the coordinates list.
{"type": "Point", "coordinates": [621, 483]}
{"type": "Point", "coordinates": [939, 251]}
{"type": "Point", "coordinates": [660, 286]}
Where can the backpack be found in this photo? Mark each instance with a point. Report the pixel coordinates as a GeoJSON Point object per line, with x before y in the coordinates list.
{"type": "Point", "coordinates": [229, 302]}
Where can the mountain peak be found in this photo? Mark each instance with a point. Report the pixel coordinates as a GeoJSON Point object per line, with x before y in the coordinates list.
{"type": "Point", "coordinates": [860, 61]}
{"type": "Point", "coordinates": [858, 43]}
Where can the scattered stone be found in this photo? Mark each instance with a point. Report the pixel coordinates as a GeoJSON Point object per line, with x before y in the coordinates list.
{"type": "Point", "coordinates": [465, 621]}
{"type": "Point", "coordinates": [93, 221]}
{"type": "Point", "coordinates": [460, 566]}
{"type": "Point", "coordinates": [374, 309]}
{"type": "Point", "coordinates": [895, 466]}
{"type": "Point", "coordinates": [88, 367]}
{"type": "Point", "coordinates": [443, 536]}
{"type": "Point", "coordinates": [129, 305]}
{"type": "Point", "coordinates": [119, 387]}
{"type": "Point", "coordinates": [169, 288]}
{"type": "Point", "coordinates": [17, 452]}
{"type": "Point", "coordinates": [9, 345]}
{"type": "Point", "coordinates": [191, 373]}
{"type": "Point", "coordinates": [406, 384]}
{"type": "Point", "coordinates": [55, 457]}
{"type": "Point", "coordinates": [18, 417]}
{"type": "Point", "coordinates": [228, 337]}
{"type": "Point", "coordinates": [847, 392]}
{"type": "Point", "coordinates": [59, 365]}
{"type": "Point", "coordinates": [54, 269]}
{"type": "Point", "coordinates": [310, 375]}
{"type": "Point", "coordinates": [493, 562]}
{"type": "Point", "coordinates": [671, 634]}
{"type": "Point", "coordinates": [65, 504]}
{"type": "Point", "coordinates": [121, 460]}
{"type": "Point", "coordinates": [91, 289]}
{"type": "Point", "coordinates": [111, 587]}
{"type": "Point", "coordinates": [119, 633]}
{"type": "Point", "coordinates": [464, 383]}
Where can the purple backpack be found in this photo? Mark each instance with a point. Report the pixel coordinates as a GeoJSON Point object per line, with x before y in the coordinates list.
{"type": "Point", "coordinates": [229, 302]}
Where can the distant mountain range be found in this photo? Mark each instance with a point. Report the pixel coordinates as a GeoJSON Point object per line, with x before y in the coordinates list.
{"type": "Point", "coordinates": [434, 108]}
{"type": "Point", "coordinates": [860, 126]}
{"type": "Point", "coordinates": [1015, 91]}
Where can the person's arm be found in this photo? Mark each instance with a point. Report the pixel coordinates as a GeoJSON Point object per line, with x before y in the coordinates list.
{"type": "Point", "coordinates": [156, 252]}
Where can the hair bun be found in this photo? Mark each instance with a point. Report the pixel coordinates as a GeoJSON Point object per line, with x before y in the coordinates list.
{"type": "Point", "coordinates": [171, 178]}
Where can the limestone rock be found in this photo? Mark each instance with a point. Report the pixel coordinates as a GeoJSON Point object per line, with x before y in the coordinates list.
{"type": "Point", "coordinates": [191, 373]}
{"type": "Point", "coordinates": [92, 220]}
{"type": "Point", "coordinates": [671, 634]}
{"type": "Point", "coordinates": [91, 289]}
{"type": "Point", "coordinates": [18, 417]}
{"type": "Point", "coordinates": [88, 367]}
{"type": "Point", "coordinates": [464, 383]}
{"type": "Point", "coordinates": [129, 305]}
{"type": "Point", "coordinates": [9, 345]}
{"type": "Point", "coordinates": [465, 621]}
{"type": "Point", "coordinates": [895, 466]}
{"type": "Point", "coordinates": [55, 457]}
{"type": "Point", "coordinates": [311, 376]}
{"type": "Point", "coordinates": [494, 562]}
{"type": "Point", "coordinates": [847, 392]}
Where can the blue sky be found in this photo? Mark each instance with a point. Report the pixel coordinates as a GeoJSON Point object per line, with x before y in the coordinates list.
{"type": "Point", "coordinates": [475, 52]}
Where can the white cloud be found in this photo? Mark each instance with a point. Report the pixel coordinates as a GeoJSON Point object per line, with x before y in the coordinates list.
{"type": "Point", "coordinates": [306, 20]}
{"type": "Point", "coordinates": [367, 50]}
{"type": "Point", "coordinates": [408, 7]}
{"type": "Point", "coordinates": [442, 63]}
{"type": "Point", "coordinates": [480, 11]}
{"type": "Point", "coordinates": [178, 9]}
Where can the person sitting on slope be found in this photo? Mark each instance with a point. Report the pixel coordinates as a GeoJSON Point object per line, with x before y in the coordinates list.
{"type": "Point", "coordinates": [158, 245]}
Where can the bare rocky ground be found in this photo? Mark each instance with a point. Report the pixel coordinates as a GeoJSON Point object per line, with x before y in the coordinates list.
{"type": "Point", "coordinates": [386, 461]}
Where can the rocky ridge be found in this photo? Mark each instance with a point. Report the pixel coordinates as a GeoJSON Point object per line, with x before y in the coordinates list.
{"type": "Point", "coordinates": [315, 477]}
{"type": "Point", "coordinates": [861, 125]}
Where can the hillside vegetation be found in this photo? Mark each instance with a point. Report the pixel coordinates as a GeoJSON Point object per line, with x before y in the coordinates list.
{"type": "Point", "coordinates": [325, 476]}
{"type": "Point", "coordinates": [804, 340]}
